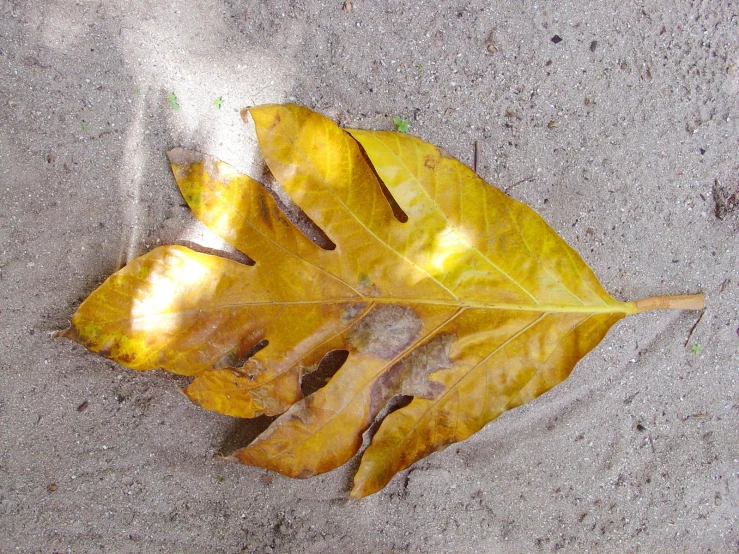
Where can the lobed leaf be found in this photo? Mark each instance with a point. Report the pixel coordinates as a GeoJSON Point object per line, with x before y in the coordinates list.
{"type": "Point", "coordinates": [440, 287]}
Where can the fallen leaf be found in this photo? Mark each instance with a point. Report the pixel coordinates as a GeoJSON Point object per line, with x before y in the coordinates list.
{"type": "Point", "coordinates": [440, 287]}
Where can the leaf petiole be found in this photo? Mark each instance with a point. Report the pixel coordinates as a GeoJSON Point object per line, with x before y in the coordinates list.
{"type": "Point", "coordinates": [679, 302]}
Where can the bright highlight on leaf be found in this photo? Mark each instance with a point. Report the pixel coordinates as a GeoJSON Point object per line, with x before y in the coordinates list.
{"type": "Point", "coordinates": [440, 288]}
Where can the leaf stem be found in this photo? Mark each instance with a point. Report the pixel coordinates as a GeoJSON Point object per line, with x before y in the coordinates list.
{"type": "Point", "coordinates": [679, 302]}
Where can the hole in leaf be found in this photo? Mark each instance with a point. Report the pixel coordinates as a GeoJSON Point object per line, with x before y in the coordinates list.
{"type": "Point", "coordinates": [326, 369]}
{"type": "Point", "coordinates": [398, 212]}
{"type": "Point", "coordinates": [398, 402]}
{"type": "Point", "coordinates": [235, 359]}
{"type": "Point", "coordinates": [295, 213]}
{"type": "Point", "coordinates": [254, 349]}
{"type": "Point", "coordinates": [233, 255]}
{"type": "Point", "coordinates": [395, 403]}
{"type": "Point", "coordinates": [243, 432]}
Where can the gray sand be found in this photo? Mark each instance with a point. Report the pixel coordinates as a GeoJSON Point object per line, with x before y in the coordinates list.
{"type": "Point", "coordinates": [623, 135]}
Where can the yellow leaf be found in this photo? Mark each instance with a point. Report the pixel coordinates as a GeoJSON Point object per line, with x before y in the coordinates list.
{"type": "Point", "coordinates": [440, 287]}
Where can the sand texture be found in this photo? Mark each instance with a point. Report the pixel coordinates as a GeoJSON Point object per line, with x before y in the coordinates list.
{"type": "Point", "coordinates": [617, 121]}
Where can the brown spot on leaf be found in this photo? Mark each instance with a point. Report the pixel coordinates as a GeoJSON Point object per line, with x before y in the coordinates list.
{"type": "Point", "coordinates": [326, 369]}
{"type": "Point", "coordinates": [125, 358]}
{"type": "Point", "coordinates": [264, 210]}
{"type": "Point", "coordinates": [410, 376]}
{"type": "Point", "coordinates": [252, 367]}
{"type": "Point", "coordinates": [421, 363]}
{"type": "Point", "coordinates": [351, 311]}
{"type": "Point", "coordinates": [386, 331]}
{"type": "Point", "coordinates": [430, 162]}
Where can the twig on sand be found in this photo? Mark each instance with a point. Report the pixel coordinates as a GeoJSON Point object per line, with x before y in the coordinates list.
{"type": "Point", "coordinates": [690, 334]}
{"type": "Point", "coordinates": [511, 187]}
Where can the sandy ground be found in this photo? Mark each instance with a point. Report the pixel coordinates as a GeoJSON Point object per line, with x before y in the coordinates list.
{"type": "Point", "coordinates": [623, 135]}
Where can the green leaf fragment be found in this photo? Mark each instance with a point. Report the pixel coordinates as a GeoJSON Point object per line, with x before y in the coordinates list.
{"type": "Point", "coordinates": [401, 124]}
{"type": "Point", "coordinates": [173, 103]}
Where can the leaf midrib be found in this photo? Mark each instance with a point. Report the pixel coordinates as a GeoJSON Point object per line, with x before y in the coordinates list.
{"type": "Point", "coordinates": [619, 307]}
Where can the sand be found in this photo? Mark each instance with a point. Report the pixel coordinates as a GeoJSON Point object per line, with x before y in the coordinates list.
{"type": "Point", "coordinates": [623, 135]}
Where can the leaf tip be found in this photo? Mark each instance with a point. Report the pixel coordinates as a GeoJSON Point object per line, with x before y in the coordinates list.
{"type": "Point", "coordinates": [364, 484]}
{"type": "Point", "coordinates": [360, 491]}
{"type": "Point", "coordinates": [61, 333]}
{"type": "Point", "coordinates": [244, 113]}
